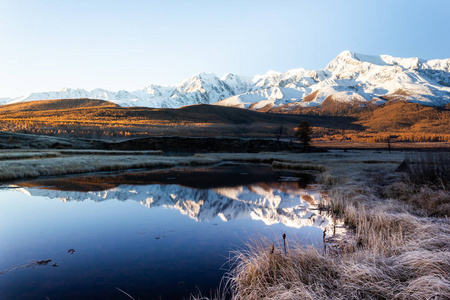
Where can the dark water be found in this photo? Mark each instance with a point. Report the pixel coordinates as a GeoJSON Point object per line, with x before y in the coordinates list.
{"type": "Point", "coordinates": [153, 235]}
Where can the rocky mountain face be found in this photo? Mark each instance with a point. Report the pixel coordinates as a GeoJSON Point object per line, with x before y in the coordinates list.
{"type": "Point", "coordinates": [349, 78]}
{"type": "Point", "coordinates": [352, 77]}
{"type": "Point", "coordinates": [200, 89]}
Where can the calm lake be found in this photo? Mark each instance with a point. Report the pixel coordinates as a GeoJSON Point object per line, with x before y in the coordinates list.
{"type": "Point", "coordinates": [163, 234]}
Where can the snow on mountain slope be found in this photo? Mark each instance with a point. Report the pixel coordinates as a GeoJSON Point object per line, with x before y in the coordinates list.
{"type": "Point", "coordinates": [353, 77]}
{"type": "Point", "coordinates": [271, 96]}
{"type": "Point", "coordinates": [201, 88]}
{"type": "Point", "coordinates": [4, 100]}
{"type": "Point", "coordinates": [349, 77]}
{"type": "Point", "coordinates": [296, 208]}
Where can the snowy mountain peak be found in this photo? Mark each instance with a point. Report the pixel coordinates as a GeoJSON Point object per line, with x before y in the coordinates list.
{"type": "Point", "coordinates": [199, 81]}
{"type": "Point", "coordinates": [229, 77]}
{"type": "Point", "coordinates": [349, 77]}
{"type": "Point", "coordinates": [348, 57]}
{"type": "Point", "coordinates": [348, 60]}
{"type": "Point", "coordinates": [268, 75]}
{"type": "Point", "coordinates": [353, 58]}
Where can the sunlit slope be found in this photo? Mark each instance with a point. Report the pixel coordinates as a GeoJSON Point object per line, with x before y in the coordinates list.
{"type": "Point", "coordinates": [58, 104]}
{"type": "Point", "coordinates": [404, 121]}
{"type": "Point", "coordinates": [83, 117]}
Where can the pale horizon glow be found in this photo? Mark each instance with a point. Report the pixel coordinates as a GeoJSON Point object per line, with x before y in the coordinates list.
{"type": "Point", "coordinates": [49, 45]}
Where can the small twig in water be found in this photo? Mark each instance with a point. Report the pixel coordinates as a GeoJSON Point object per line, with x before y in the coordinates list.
{"type": "Point", "coordinates": [125, 293]}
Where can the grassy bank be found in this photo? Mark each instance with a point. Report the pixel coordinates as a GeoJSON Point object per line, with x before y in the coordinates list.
{"type": "Point", "coordinates": [32, 165]}
{"type": "Point", "coordinates": [395, 247]}
{"type": "Point", "coordinates": [15, 164]}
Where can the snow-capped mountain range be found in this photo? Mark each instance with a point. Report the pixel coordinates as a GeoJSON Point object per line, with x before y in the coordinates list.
{"type": "Point", "coordinates": [293, 208]}
{"type": "Point", "coordinates": [350, 77]}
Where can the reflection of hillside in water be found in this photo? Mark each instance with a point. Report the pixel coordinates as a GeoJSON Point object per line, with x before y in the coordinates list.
{"type": "Point", "coordinates": [225, 175]}
{"type": "Point", "coordinates": [226, 191]}
{"type": "Point", "coordinates": [271, 203]}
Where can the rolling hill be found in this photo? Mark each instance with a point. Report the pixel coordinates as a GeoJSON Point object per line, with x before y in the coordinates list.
{"type": "Point", "coordinates": [98, 118]}
{"type": "Point", "coordinates": [333, 121]}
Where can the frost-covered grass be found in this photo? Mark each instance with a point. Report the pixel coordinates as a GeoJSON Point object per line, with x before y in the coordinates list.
{"type": "Point", "coordinates": [9, 155]}
{"type": "Point", "coordinates": [393, 255]}
{"type": "Point", "coordinates": [26, 153]}
{"type": "Point", "coordinates": [333, 157]}
{"type": "Point", "coordinates": [393, 251]}
{"type": "Point", "coordinates": [109, 152]}
{"type": "Point", "coordinates": [31, 168]}
{"type": "Point", "coordinates": [307, 273]}
{"type": "Point", "coordinates": [29, 164]}
{"type": "Point", "coordinates": [296, 166]}
{"type": "Point", "coordinates": [335, 165]}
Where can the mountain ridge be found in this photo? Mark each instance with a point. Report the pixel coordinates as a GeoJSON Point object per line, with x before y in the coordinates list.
{"type": "Point", "coordinates": [350, 78]}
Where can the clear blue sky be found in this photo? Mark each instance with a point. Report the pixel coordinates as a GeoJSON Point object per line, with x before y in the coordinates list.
{"type": "Point", "coordinates": [47, 45]}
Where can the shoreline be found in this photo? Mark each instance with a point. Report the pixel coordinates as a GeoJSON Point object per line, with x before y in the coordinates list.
{"type": "Point", "coordinates": [33, 164]}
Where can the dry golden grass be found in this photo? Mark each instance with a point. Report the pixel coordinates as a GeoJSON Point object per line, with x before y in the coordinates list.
{"type": "Point", "coordinates": [399, 122]}
{"type": "Point", "coordinates": [418, 269]}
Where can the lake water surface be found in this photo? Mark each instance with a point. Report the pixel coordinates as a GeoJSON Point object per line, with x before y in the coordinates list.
{"type": "Point", "coordinates": [155, 235]}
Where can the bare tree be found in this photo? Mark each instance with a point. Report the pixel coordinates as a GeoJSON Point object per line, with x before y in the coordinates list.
{"type": "Point", "coordinates": [388, 141]}
{"type": "Point", "coordinates": [279, 132]}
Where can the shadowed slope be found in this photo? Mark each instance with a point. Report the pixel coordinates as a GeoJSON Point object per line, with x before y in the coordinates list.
{"type": "Point", "coordinates": [333, 121]}
{"type": "Point", "coordinates": [91, 118]}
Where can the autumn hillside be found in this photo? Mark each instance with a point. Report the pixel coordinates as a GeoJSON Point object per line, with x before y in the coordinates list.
{"type": "Point", "coordinates": [397, 121]}
{"type": "Point", "coordinates": [98, 118]}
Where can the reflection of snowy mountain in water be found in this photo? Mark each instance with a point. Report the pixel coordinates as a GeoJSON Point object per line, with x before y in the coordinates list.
{"type": "Point", "coordinates": [292, 207]}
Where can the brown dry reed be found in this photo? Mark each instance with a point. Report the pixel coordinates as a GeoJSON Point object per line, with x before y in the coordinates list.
{"type": "Point", "coordinates": [429, 168]}
{"type": "Point", "coordinates": [425, 184]}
